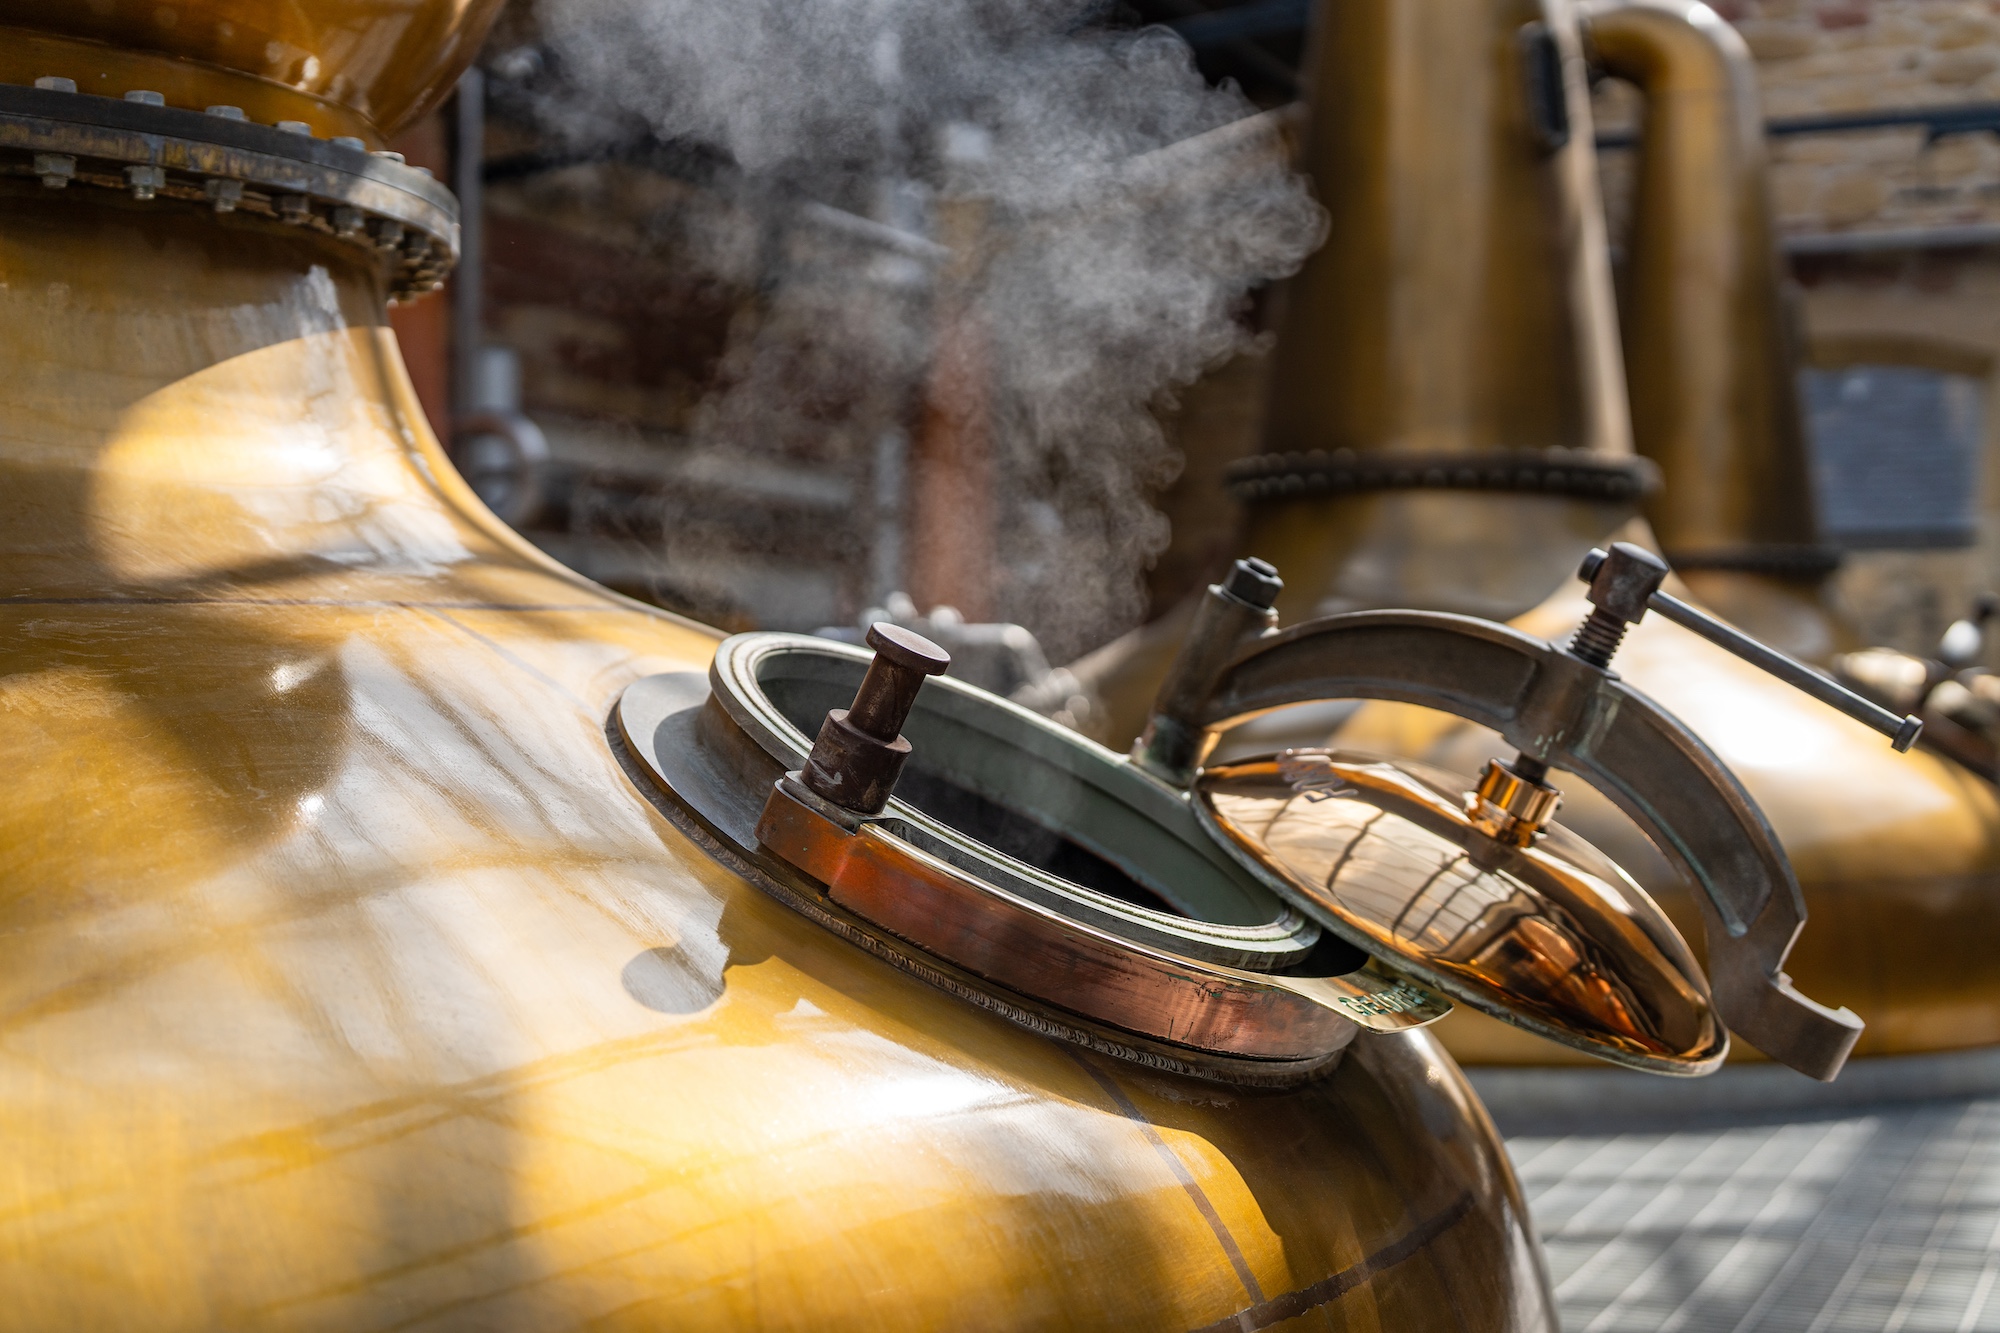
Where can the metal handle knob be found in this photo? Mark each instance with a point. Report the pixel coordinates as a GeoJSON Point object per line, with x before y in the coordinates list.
{"type": "Point", "coordinates": [860, 750]}
{"type": "Point", "coordinates": [1625, 584]}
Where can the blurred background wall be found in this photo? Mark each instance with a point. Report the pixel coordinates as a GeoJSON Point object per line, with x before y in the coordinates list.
{"type": "Point", "coordinates": [710, 432]}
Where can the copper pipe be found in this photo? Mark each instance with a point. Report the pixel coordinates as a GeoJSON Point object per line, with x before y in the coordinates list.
{"type": "Point", "coordinates": [1708, 342]}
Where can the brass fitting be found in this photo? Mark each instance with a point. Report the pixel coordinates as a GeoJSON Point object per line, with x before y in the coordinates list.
{"type": "Point", "coordinates": [1510, 808]}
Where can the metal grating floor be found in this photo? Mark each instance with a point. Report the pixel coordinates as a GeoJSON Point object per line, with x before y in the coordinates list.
{"type": "Point", "coordinates": [1887, 1221]}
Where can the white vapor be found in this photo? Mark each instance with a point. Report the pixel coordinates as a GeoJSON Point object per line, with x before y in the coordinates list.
{"type": "Point", "coordinates": [1114, 275]}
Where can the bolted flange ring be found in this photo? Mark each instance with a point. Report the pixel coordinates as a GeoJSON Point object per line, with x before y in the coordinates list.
{"type": "Point", "coordinates": [218, 160]}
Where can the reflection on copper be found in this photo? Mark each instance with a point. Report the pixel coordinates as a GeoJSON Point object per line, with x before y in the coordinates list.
{"type": "Point", "coordinates": [1553, 937]}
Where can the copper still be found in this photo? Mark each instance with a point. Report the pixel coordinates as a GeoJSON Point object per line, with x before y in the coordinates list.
{"type": "Point", "coordinates": [402, 929]}
{"type": "Point", "coordinates": [1447, 419]}
{"type": "Point", "coordinates": [1711, 332]}
{"type": "Point", "coordinates": [1895, 898]}
{"type": "Point", "coordinates": [1410, 429]}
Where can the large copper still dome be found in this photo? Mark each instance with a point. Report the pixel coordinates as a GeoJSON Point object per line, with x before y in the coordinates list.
{"type": "Point", "coordinates": [353, 975]}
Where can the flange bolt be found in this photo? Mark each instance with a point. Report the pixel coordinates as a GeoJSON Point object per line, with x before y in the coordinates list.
{"type": "Point", "coordinates": [1254, 581]}
{"type": "Point", "coordinates": [860, 750]}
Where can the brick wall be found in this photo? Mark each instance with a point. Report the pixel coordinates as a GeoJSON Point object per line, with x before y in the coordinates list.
{"type": "Point", "coordinates": [1850, 55]}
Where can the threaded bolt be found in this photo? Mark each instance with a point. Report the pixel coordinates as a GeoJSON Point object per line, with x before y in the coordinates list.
{"type": "Point", "coordinates": [1598, 637]}
{"type": "Point", "coordinates": [1622, 582]}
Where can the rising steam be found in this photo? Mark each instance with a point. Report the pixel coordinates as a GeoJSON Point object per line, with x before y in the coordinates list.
{"type": "Point", "coordinates": [1110, 270]}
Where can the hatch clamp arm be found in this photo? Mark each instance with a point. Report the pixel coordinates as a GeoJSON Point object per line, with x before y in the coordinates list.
{"type": "Point", "coordinates": [1571, 715]}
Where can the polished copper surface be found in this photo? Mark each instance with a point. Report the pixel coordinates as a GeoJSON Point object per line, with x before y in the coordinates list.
{"type": "Point", "coordinates": [361, 67]}
{"type": "Point", "coordinates": [351, 981]}
{"type": "Point", "coordinates": [1897, 855]}
{"type": "Point", "coordinates": [1552, 937]}
{"type": "Point", "coordinates": [1033, 950]}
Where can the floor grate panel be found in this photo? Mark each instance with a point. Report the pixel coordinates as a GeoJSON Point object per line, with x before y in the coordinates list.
{"type": "Point", "coordinates": [1887, 1222]}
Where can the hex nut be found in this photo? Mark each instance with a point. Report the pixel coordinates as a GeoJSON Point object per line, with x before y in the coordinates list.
{"type": "Point", "coordinates": [55, 169]}
{"type": "Point", "coordinates": [145, 181]}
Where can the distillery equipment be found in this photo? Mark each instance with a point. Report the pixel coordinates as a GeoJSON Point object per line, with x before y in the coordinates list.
{"type": "Point", "coordinates": [1894, 899]}
{"type": "Point", "coordinates": [1707, 341]}
{"type": "Point", "coordinates": [1161, 911]}
{"type": "Point", "coordinates": [1958, 698]}
{"type": "Point", "coordinates": [1710, 333]}
{"type": "Point", "coordinates": [1447, 423]}
{"type": "Point", "coordinates": [403, 931]}
{"type": "Point", "coordinates": [1563, 708]}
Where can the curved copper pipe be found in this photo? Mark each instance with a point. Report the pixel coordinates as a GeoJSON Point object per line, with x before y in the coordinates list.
{"type": "Point", "coordinates": [1710, 364]}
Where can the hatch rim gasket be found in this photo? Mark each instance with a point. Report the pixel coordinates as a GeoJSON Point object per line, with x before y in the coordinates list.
{"type": "Point", "coordinates": [396, 212]}
{"type": "Point", "coordinates": [781, 883]}
{"type": "Point", "coordinates": [711, 796]}
{"type": "Point", "coordinates": [1287, 936]}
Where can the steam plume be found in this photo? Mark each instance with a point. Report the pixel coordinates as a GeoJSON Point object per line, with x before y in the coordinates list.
{"type": "Point", "coordinates": [1110, 277]}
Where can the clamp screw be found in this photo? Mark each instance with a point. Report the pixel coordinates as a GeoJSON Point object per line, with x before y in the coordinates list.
{"type": "Point", "coordinates": [860, 750]}
{"type": "Point", "coordinates": [1625, 584]}
{"type": "Point", "coordinates": [1622, 583]}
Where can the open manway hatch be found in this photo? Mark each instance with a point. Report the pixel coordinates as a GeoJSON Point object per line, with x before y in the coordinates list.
{"type": "Point", "coordinates": [1245, 929]}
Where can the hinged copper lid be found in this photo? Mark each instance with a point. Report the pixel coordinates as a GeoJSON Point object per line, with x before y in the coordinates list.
{"type": "Point", "coordinates": [1552, 937]}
